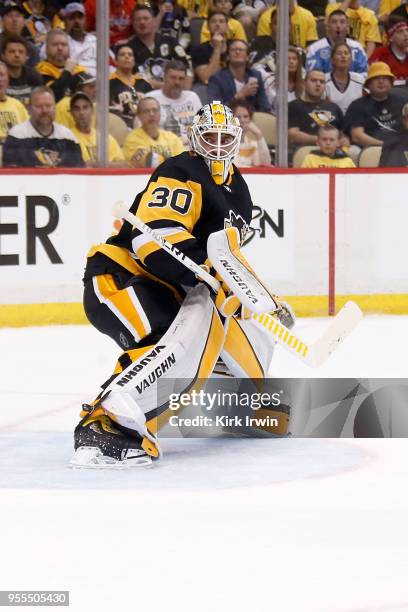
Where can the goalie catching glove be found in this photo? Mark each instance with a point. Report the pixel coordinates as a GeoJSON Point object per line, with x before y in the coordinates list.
{"type": "Point", "coordinates": [239, 284]}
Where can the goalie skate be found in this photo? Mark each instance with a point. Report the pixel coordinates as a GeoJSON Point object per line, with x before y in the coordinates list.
{"type": "Point", "coordinates": [100, 444]}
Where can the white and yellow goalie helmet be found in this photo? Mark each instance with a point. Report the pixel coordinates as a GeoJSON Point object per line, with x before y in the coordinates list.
{"type": "Point", "coordinates": [215, 135]}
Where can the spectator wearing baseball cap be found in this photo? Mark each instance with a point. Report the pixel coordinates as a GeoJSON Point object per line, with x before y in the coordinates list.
{"type": "Point", "coordinates": [395, 54]}
{"type": "Point", "coordinates": [85, 83]}
{"type": "Point", "coordinates": [13, 22]}
{"type": "Point", "coordinates": [376, 118]}
{"type": "Point", "coordinates": [82, 44]}
{"type": "Point", "coordinates": [82, 111]}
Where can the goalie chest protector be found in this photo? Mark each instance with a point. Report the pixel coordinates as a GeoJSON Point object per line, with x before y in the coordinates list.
{"type": "Point", "coordinates": [213, 207]}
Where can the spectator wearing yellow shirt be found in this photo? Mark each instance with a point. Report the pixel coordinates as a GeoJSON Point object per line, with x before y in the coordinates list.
{"type": "Point", "coordinates": [11, 111]}
{"type": "Point", "coordinates": [87, 84]}
{"type": "Point", "coordinates": [235, 29]}
{"type": "Point", "coordinates": [302, 25]}
{"type": "Point", "coordinates": [148, 145]}
{"type": "Point", "coordinates": [195, 8]}
{"type": "Point", "coordinates": [386, 7]}
{"type": "Point", "coordinates": [329, 154]}
{"type": "Point", "coordinates": [82, 114]}
{"type": "Point", "coordinates": [363, 23]}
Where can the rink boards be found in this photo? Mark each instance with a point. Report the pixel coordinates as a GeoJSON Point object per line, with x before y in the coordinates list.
{"type": "Point", "coordinates": [317, 237]}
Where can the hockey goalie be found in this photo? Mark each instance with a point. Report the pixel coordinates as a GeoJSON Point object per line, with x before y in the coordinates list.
{"type": "Point", "coordinates": [163, 316]}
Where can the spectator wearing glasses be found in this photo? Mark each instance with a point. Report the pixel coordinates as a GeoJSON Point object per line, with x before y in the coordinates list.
{"type": "Point", "coordinates": [238, 81]}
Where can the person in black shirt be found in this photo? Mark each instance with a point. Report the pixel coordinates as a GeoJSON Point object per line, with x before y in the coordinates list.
{"type": "Point", "coordinates": [22, 78]}
{"type": "Point", "coordinates": [13, 23]}
{"type": "Point", "coordinates": [126, 88]}
{"type": "Point", "coordinates": [153, 50]}
{"type": "Point", "coordinates": [40, 142]}
{"type": "Point", "coordinates": [376, 118]}
{"type": "Point", "coordinates": [394, 153]}
{"type": "Point", "coordinates": [309, 113]}
{"type": "Point", "coordinates": [209, 57]}
{"type": "Point", "coordinates": [401, 11]}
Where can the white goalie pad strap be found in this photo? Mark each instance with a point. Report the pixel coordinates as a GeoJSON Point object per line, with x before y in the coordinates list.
{"type": "Point", "coordinates": [262, 346]}
{"type": "Point", "coordinates": [176, 358]}
{"type": "Point", "coordinates": [129, 414]}
{"type": "Point", "coordinates": [240, 279]}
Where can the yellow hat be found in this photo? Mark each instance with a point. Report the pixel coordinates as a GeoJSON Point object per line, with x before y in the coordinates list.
{"type": "Point", "coordinates": [378, 69]}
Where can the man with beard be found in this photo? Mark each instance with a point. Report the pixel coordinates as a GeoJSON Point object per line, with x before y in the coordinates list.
{"type": "Point", "coordinates": [59, 70]}
{"type": "Point", "coordinates": [82, 45]}
{"type": "Point", "coordinates": [40, 142]}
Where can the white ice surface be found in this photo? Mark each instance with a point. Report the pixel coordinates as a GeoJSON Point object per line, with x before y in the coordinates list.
{"type": "Point", "coordinates": [225, 525]}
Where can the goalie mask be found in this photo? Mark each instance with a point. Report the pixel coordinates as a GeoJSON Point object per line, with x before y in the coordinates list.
{"type": "Point", "coordinates": [215, 135]}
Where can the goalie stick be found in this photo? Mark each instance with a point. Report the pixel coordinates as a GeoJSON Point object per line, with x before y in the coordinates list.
{"type": "Point", "coordinates": [312, 354]}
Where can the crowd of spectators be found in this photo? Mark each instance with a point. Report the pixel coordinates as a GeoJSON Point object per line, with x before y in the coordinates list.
{"type": "Point", "coordinates": [347, 79]}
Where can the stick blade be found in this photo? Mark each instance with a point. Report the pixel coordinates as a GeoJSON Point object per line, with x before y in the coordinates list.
{"type": "Point", "coordinates": [119, 208]}
{"type": "Point", "coordinates": [341, 326]}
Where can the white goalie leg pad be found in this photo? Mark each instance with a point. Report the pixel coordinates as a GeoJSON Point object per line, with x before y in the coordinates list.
{"type": "Point", "coordinates": [223, 249]}
{"type": "Point", "coordinates": [152, 378]}
{"type": "Point", "coordinates": [261, 345]}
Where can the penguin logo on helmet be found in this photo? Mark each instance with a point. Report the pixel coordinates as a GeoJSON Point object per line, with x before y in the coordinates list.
{"type": "Point", "coordinates": [215, 135]}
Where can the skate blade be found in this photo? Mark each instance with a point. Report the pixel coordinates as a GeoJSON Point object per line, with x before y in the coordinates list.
{"type": "Point", "coordinates": [91, 458]}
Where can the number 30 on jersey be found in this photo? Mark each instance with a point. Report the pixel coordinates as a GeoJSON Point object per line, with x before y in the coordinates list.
{"type": "Point", "coordinates": [179, 199]}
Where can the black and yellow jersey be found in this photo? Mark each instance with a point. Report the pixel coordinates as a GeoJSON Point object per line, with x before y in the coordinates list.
{"type": "Point", "coordinates": [317, 159]}
{"type": "Point", "coordinates": [184, 204]}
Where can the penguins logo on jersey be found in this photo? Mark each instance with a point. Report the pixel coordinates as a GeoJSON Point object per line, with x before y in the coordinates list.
{"type": "Point", "coordinates": [47, 157]}
{"type": "Point", "coordinates": [238, 222]}
{"type": "Point", "coordinates": [322, 117]}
